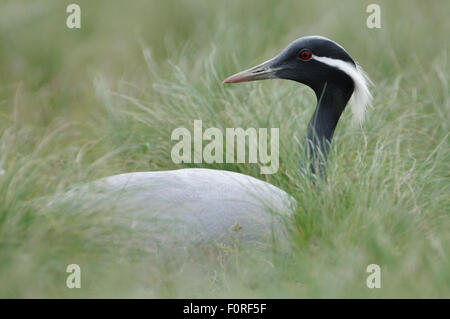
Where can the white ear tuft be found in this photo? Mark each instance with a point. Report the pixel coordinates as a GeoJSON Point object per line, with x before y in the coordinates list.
{"type": "Point", "coordinates": [361, 97]}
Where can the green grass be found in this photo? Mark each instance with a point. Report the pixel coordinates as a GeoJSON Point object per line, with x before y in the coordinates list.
{"type": "Point", "coordinates": [76, 105]}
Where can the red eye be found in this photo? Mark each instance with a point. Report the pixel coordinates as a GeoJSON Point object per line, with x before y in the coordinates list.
{"type": "Point", "coordinates": [305, 54]}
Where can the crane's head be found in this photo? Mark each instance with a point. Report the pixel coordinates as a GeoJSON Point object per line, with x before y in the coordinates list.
{"type": "Point", "coordinates": [314, 61]}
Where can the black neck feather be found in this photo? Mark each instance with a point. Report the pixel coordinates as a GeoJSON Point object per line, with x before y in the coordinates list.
{"type": "Point", "coordinates": [332, 99]}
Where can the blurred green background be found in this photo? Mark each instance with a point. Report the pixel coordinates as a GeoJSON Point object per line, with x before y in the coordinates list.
{"type": "Point", "coordinates": [76, 105]}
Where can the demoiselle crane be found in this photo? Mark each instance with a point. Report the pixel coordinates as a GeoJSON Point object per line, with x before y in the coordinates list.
{"type": "Point", "coordinates": [199, 205]}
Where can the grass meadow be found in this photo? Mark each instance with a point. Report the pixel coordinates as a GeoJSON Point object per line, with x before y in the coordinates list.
{"type": "Point", "coordinates": [78, 105]}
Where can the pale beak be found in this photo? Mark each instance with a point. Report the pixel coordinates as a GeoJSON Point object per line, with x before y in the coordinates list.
{"type": "Point", "coordinates": [260, 72]}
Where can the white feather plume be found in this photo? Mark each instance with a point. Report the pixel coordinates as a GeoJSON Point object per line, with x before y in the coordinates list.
{"type": "Point", "coordinates": [361, 97]}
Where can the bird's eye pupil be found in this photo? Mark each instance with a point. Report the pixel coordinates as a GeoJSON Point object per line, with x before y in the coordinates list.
{"type": "Point", "coordinates": [305, 54]}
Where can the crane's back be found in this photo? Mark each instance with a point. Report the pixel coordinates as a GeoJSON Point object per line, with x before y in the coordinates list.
{"type": "Point", "coordinates": [188, 206]}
